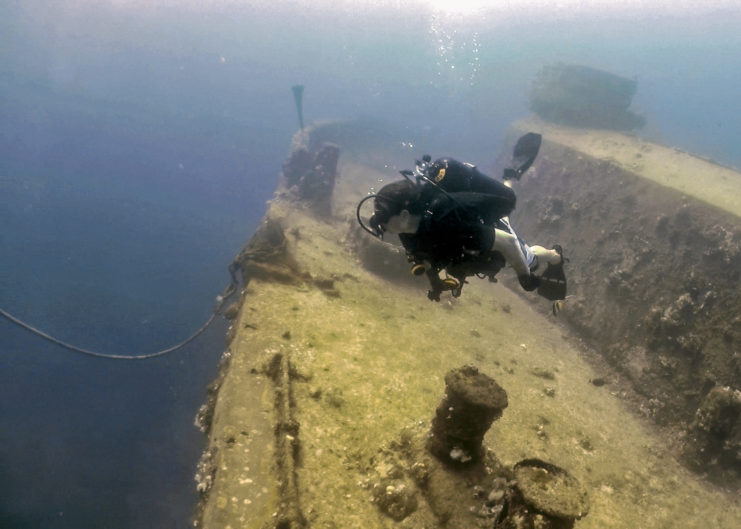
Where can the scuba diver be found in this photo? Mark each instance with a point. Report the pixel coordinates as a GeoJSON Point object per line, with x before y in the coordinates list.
{"type": "Point", "coordinates": [454, 218]}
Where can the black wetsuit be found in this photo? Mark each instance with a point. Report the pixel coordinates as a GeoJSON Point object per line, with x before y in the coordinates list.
{"type": "Point", "coordinates": [459, 213]}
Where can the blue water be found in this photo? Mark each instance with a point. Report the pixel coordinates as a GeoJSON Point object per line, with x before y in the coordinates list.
{"type": "Point", "coordinates": [138, 146]}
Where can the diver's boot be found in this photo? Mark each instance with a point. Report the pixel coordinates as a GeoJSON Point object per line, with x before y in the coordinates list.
{"type": "Point", "coordinates": [529, 282]}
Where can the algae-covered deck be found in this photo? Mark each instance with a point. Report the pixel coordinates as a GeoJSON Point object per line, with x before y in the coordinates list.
{"type": "Point", "coordinates": [697, 177]}
{"type": "Point", "coordinates": [332, 370]}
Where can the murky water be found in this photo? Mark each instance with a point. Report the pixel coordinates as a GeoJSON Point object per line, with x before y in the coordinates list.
{"type": "Point", "coordinates": [140, 141]}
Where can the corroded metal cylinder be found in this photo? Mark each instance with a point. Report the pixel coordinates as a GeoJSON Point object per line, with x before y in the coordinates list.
{"type": "Point", "coordinates": [472, 402]}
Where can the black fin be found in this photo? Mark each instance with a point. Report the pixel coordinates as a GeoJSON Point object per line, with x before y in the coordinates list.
{"type": "Point", "coordinates": [553, 283]}
{"type": "Point", "coordinates": [525, 152]}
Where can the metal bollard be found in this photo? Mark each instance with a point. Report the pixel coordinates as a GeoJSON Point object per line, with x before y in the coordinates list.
{"type": "Point", "coordinates": [472, 402]}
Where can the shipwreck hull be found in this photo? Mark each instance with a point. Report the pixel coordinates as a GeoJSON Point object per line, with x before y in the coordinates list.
{"type": "Point", "coordinates": [654, 240]}
{"type": "Point", "coordinates": [336, 364]}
